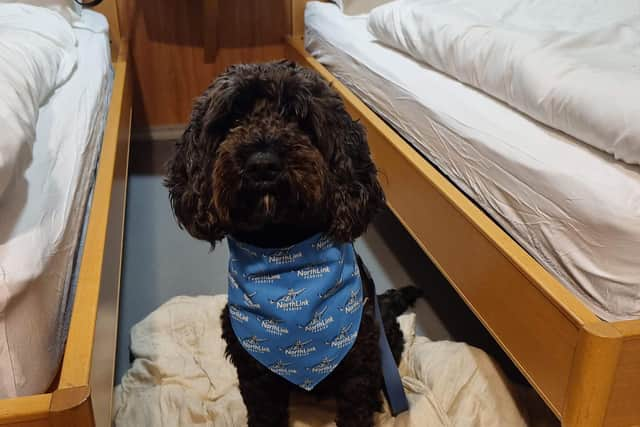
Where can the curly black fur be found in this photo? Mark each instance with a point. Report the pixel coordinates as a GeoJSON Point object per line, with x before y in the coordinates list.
{"type": "Point", "coordinates": [329, 177]}
{"type": "Point", "coordinates": [319, 178]}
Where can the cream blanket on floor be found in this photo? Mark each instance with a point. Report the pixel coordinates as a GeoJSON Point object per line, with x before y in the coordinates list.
{"type": "Point", "coordinates": [180, 377]}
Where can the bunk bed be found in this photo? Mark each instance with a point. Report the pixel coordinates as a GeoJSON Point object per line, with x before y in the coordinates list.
{"type": "Point", "coordinates": [79, 380]}
{"type": "Point", "coordinates": [585, 368]}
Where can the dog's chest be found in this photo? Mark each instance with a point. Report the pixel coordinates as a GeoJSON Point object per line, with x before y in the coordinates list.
{"type": "Point", "coordinates": [296, 310]}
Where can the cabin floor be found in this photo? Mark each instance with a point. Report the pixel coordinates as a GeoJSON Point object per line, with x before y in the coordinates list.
{"type": "Point", "coordinates": [162, 261]}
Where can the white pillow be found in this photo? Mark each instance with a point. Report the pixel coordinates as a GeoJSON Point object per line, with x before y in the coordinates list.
{"type": "Point", "coordinates": [358, 7]}
{"type": "Point", "coordinates": [69, 9]}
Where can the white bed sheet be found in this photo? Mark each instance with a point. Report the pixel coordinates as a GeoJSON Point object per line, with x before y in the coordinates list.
{"type": "Point", "coordinates": [572, 207]}
{"type": "Point", "coordinates": [571, 65]}
{"type": "Point", "coordinates": [42, 214]}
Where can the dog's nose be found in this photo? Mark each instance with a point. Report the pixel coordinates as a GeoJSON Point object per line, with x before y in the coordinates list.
{"type": "Point", "coordinates": [263, 166]}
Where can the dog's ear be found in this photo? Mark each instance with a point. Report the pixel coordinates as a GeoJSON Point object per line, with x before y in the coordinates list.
{"type": "Point", "coordinates": [189, 175]}
{"type": "Point", "coordinates": [190, 172]}
{"type": "Point", "coordinates": [355, 195]}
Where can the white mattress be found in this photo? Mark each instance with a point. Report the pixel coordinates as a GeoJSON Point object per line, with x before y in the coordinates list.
{"type": "Point", "coordinates": [42, 214]}
{"type": "Point", "coordinates": [572, 207]}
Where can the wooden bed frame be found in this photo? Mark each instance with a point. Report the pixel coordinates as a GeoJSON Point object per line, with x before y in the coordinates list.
{"type": "Point", "coordinates": [587, 370]}
{"type": "Point", "coordinates": [82, 394]}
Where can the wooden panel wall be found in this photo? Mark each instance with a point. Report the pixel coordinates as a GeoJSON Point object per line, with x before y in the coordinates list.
{"type": "Point", "coordinates": [168, 49]}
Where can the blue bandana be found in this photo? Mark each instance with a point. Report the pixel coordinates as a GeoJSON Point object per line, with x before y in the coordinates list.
{"type": "Point", "coordinates": [296, 310]}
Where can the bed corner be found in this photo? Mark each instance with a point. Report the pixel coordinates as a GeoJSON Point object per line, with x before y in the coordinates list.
{"type": "Point", "coordinates": [295, 14]}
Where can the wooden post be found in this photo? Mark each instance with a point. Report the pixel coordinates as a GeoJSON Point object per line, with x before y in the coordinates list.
{"type": "Point", "coordinates": [210, 29]}
{"type": "Point", "coordinates": [71, 407]}
{"type": "Point", "coordinates": [592, 376]}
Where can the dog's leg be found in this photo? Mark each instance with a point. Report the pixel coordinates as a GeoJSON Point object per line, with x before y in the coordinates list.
{"type": "Point", "coordinates": [265, 395]}
{"type": "Point", "coordinates": [267, 401]}
{"type": "Point", "coordinates": [358, 399]}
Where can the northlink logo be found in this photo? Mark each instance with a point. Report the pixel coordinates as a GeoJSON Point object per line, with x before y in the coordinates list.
{"type": "Point", "coordinates": [232, 263]}
{"type": "Point", "coordinates": [323, 243]}
{"type": "Point", "coordinates": [284, 256]}
{"type": "Point", "coordinates": [299, 349]}
{"type": "Point", "coordinates": [344, 338]}
{"type": "Point", "coordinates": [248, 300]}
{"type": "Point", "coordinates": [281, 368]}
{"type": "Point", "coordinates": [247, 250]}
{"type": "Point", "coordinates": [353, 303]}
{"type": "Point", "coordinates": [255, 344]}
{"type": "Point", "coordinates": [331, 291]}
{"type": "Point", "coordinates": [273, 326]}
{"type": "Point", "coordinates": [307, 384]}
{"type": "Point", "coordinates": [356, 271]}
{"type": "Point", "coordinates": [317, 323]}
{"type": "Point", "coordinates": [313, 272]}
{"type": "Point", "coordinates": [232, 283]}
{"type": "Point", "coordinates": [325, 366]}
{"type": "Point", "coordinates": [290, 301]}
{"type": "Point", "coordinates": [237, 314]}
{"type": "Point", "coordinates": [263, 278]}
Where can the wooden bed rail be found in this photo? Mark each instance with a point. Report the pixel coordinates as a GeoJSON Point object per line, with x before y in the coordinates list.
{"type": "Point", "coordinates": [296, 15]}
{"type": "Point", "coordinates": [585, 369]}
{"type": "Point", "coordinates": [82, 395]}
{"type": "Point", "coordinates": [111, 10]}
{"type": "Point", "coordinates": [93, 328]}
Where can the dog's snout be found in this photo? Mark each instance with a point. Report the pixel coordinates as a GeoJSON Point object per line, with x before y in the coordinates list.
{"type": "Point", "coordinates": [263, 166]}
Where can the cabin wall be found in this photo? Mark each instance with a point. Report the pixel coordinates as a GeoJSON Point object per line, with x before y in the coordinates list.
{"type": "Point", "coordinates": [178, 47]}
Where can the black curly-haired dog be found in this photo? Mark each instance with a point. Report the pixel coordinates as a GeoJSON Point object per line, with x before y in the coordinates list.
{"type": "Point", "coordinates": [271, 157]}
